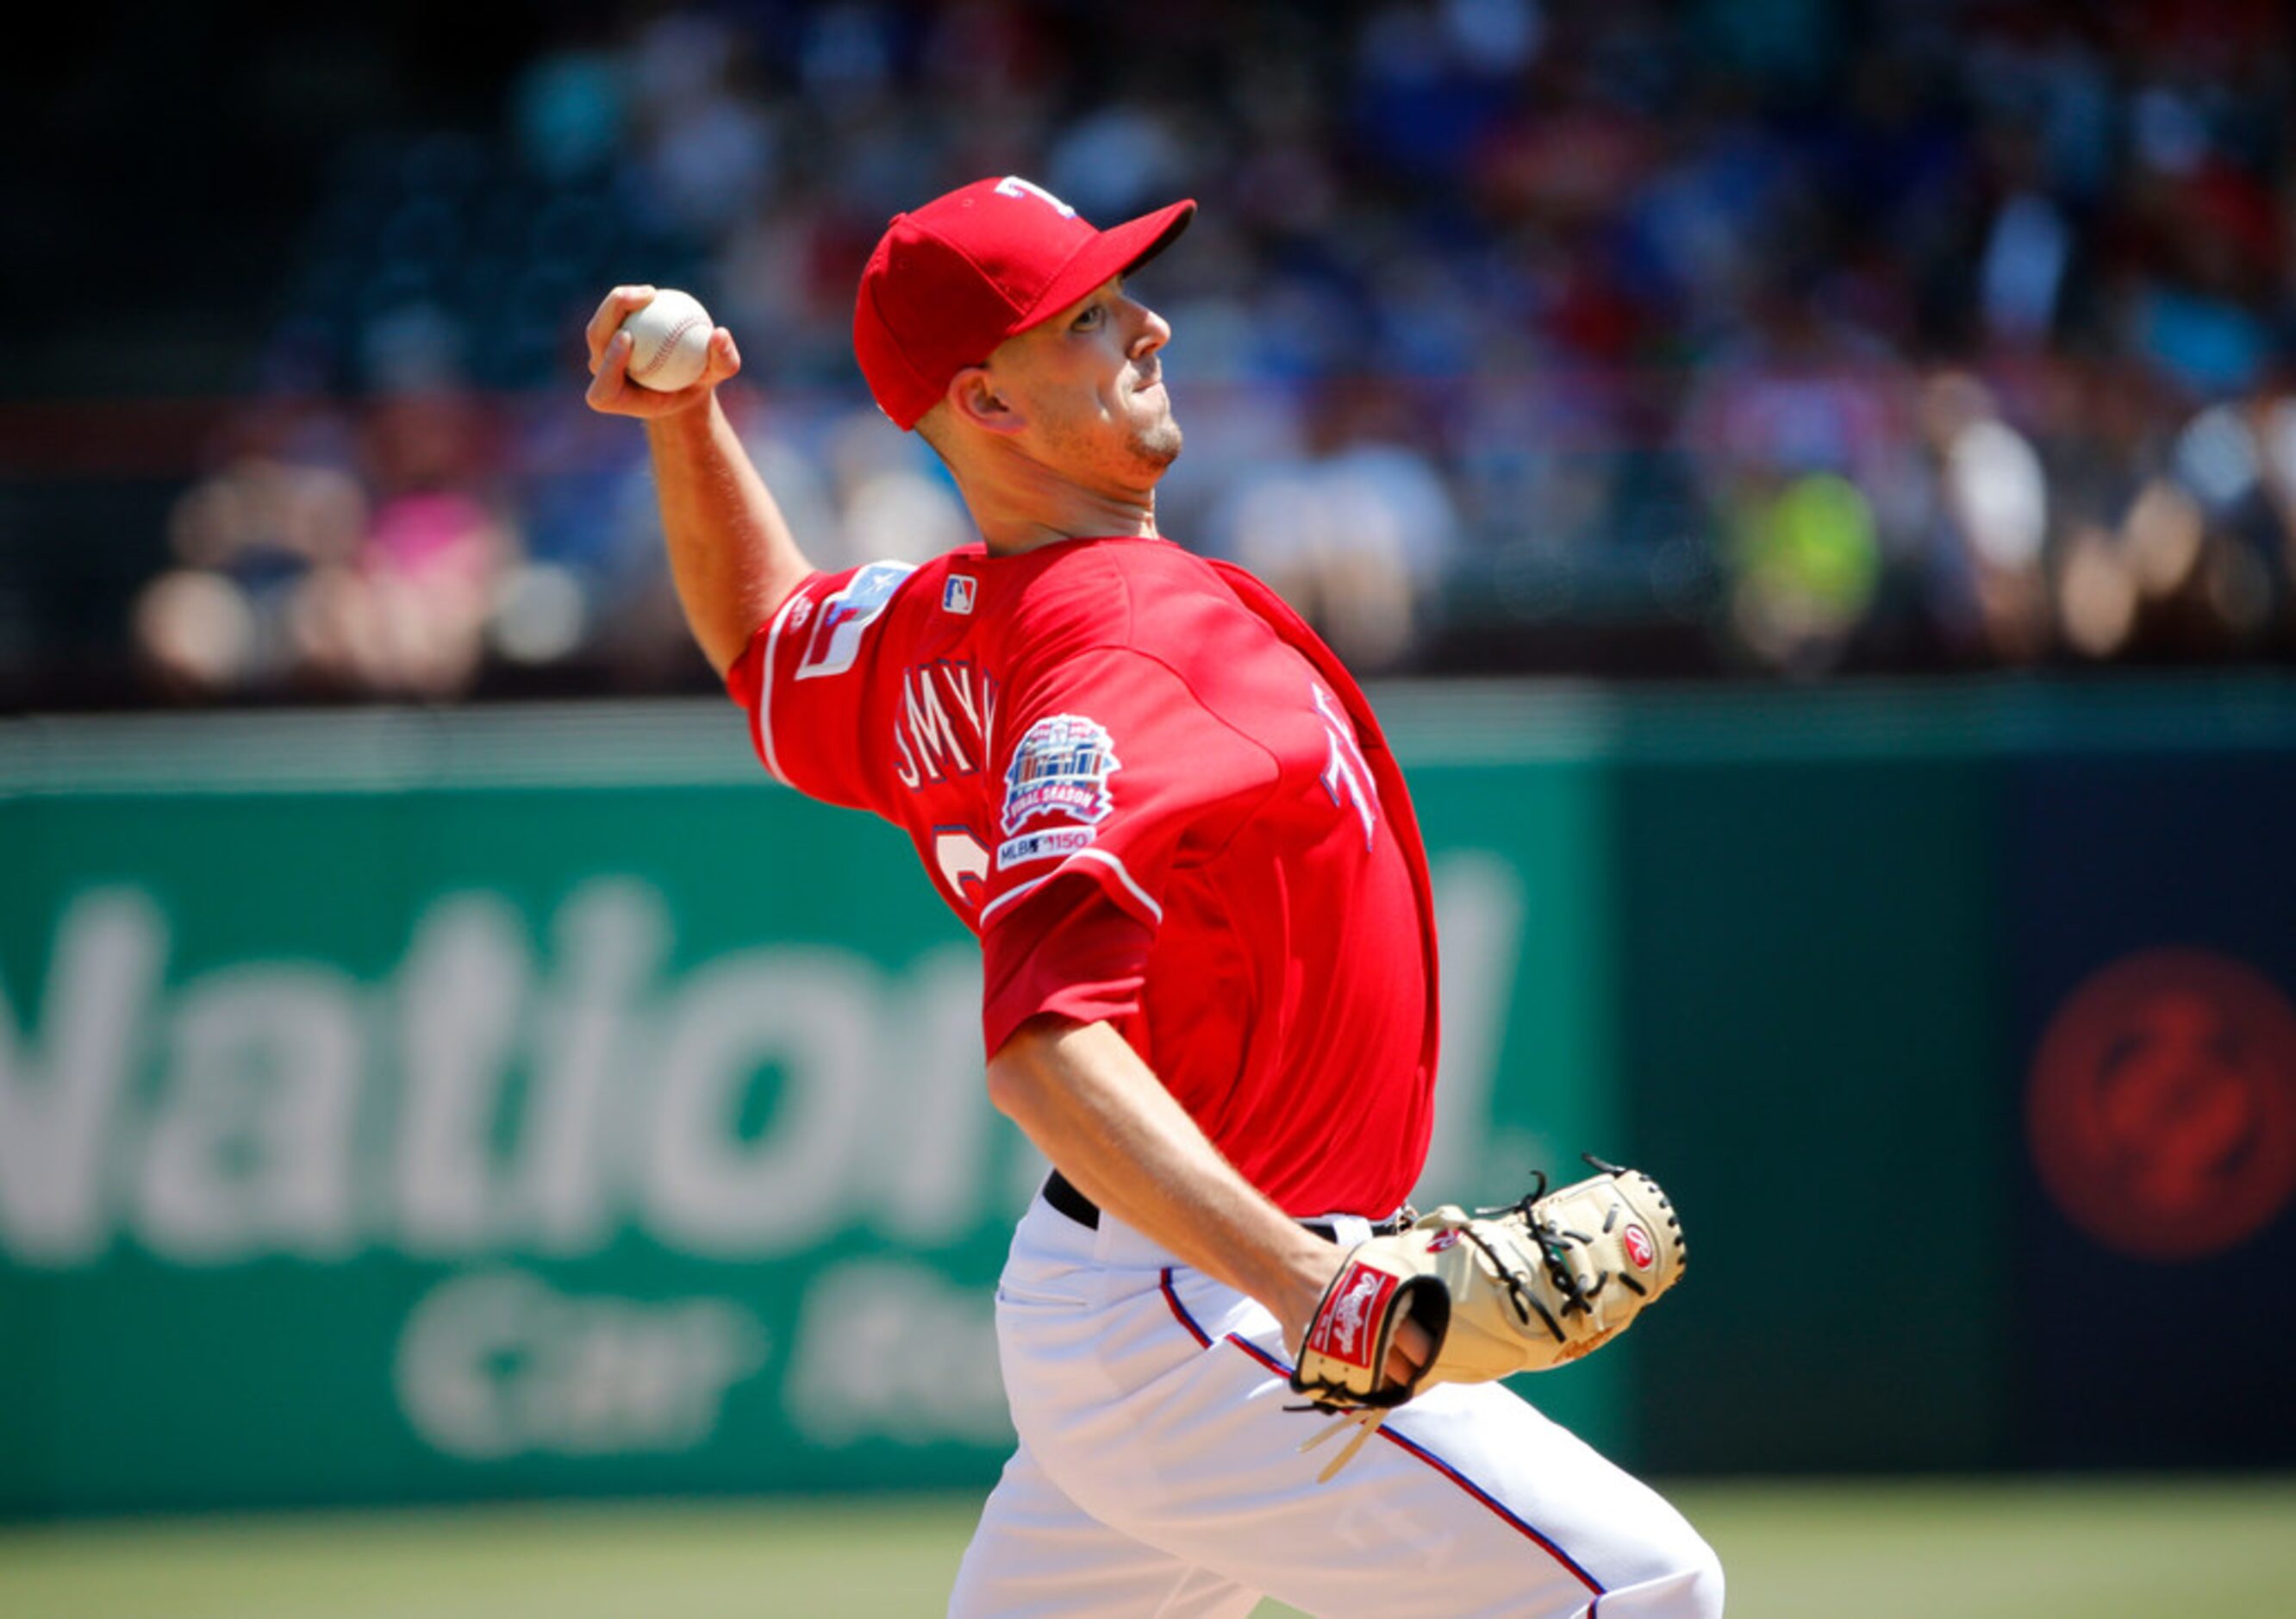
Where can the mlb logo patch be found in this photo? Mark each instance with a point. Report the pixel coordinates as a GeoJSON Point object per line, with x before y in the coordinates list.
{"type": "Point", "coordinates": [956, 596]}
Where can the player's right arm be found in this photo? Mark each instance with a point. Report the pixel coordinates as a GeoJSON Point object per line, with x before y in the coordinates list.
{"type": "Point", "coordinates": [1083, 1096]}
{"type": "Point", "coordinates": [731, 552]}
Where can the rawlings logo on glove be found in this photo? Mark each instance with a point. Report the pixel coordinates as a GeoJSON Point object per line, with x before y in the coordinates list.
{"type": "Point", "coordinates": [1360, 1294]}
{"type": "Point", "coordinates": [1521, 1289]}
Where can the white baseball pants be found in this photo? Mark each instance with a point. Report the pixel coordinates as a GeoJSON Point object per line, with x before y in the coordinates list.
{"type": "Point", "coordinates": [1158, 1473]}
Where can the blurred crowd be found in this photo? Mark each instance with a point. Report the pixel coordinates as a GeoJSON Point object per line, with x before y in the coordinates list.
{"type": "Point", "coordinates": [1734, 335]}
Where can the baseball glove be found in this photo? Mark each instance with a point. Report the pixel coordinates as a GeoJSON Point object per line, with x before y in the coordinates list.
{"type": "Point", "coordinates": [1524, 1288]}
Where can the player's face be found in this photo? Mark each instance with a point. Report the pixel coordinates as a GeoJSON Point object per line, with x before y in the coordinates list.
{"type": "Point", "coordinates": [1090, 385]}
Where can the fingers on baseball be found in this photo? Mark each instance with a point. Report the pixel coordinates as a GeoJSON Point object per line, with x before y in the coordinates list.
{"type": "Point", "coordinates": [609, 373]}
{"type": "Point", "coordinates": [722, 364]}
{"type": "Point", "coordinates": [619, 306]}
{"type": "Point", "coordinates": [725, 359]}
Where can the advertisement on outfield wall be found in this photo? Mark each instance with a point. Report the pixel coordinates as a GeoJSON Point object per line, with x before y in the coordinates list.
{"type": "Point", "coordinates": [2153, 1016]}
{"type": "Point", "coordinates": [451, 1141]}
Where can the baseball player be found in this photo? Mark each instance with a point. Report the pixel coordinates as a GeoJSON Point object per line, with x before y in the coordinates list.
{"type": "Point", "coordinates": [1208, 964]}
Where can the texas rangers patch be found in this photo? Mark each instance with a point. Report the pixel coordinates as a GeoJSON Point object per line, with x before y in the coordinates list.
{"type": "Point", "coordinates": [837, 637]}
{"type": "Point", "coordinates": [1060, 767]}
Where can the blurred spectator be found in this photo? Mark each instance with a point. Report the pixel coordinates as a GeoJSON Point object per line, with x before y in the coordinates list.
{"type": "Point", "coordinates": [1986, 588]}
{"type": "Point", "coordinates": [406, 614]}
{"type": "Point", "coordinates": [893, 498]}
{"type": "Point", "coordinates": [1797, 437]}
{"type": "Point", "coordinates": [229, 618]}
{"type": "Point", "coordinates": [1354, 533]}
{"type": "Point", "coordinates": [568, 113]}
{"type": "Point", "coordinates": [706, 148]}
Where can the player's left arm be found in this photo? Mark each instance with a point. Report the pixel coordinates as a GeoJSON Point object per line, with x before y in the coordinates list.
{"type": "Point", "coordinates": [1091, 1106]}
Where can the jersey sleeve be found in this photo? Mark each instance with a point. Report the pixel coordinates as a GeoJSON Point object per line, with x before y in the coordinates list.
{"type": "Point", "coordinates": [1113, 777]}
{"type": "Point", "coordinates": [810, 677]}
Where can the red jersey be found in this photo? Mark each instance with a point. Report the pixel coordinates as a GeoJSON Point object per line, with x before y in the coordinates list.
{"type": "Point", "coordinates": [1160, 801]}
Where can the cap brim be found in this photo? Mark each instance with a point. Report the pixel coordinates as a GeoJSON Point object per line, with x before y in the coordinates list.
{"type": "Point", "coordinates": [1118, 251]}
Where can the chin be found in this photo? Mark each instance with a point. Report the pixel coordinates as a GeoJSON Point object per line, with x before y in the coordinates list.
{"type": "Point", "coordinates": [1162, 450]}
{"type": "Point", "coordinates": [1158, 446]}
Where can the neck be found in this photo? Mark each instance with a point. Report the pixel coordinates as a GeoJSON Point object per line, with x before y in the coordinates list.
{"type": "Point", "coordinates": [1022, 505]}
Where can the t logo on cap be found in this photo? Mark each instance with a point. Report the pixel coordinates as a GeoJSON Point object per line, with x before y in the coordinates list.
{"type": "Point", "coordinates": [950, 282]}
{"type": "Point", "coordinates": [1014, 185]}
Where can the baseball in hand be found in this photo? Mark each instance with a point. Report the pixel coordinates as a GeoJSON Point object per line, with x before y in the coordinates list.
{"type": "Point", "coordinates": [669, 346]}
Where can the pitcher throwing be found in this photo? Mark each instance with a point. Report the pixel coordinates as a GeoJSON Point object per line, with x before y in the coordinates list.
{"type": "Point", "coordinates": [1208, 963]}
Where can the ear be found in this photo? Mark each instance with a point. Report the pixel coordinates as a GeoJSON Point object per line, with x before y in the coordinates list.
{"type": "Point", "coordinates": [973, 396]}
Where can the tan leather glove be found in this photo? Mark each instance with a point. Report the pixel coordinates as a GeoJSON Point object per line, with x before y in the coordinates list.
{"type": "Point", "coordinates": [1520, 1289]}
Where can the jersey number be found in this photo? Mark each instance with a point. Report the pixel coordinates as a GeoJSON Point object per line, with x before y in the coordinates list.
{"type": "Point", "coordinates": [961, 856]}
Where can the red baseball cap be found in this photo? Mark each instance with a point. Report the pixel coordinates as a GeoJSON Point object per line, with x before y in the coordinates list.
{"type": "Point", "coordinates": [954, 279]}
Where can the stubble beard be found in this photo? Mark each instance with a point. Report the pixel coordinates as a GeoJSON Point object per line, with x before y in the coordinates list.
{"type": "Point", "coordinates": [1136, 454]}
{"type": "Point", "coordinates": [1156, 444]}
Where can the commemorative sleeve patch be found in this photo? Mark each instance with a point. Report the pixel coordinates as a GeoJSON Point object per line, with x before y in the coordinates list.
{"type": "Point", "coordinates": [1061, 767]}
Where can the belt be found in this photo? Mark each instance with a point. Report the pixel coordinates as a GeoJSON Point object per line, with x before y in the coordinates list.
{"type": "Point", "coordinates": [1061, 1192]}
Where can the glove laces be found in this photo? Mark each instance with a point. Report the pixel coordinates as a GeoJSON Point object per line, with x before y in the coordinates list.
{"type": "Point", "coordinates": [1366, 1422]}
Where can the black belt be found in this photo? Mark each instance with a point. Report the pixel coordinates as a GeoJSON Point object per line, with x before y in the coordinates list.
{"type": "Point", "coordinates": [1061, 1192]}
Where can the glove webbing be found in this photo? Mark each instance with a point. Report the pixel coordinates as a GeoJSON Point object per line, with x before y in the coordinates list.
{"type": "Point", "coordinates": [1525, 1305]}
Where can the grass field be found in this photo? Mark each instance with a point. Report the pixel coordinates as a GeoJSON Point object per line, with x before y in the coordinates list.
{"type": "Point", "coordinates": [2117, 1549]}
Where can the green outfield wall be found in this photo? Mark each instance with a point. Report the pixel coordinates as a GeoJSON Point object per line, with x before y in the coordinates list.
{"type": "Point", "coordinates": [542, 1102]}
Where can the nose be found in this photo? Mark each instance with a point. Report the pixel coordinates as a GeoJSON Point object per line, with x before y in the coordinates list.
{"type": "Point", "coordinates": [1151, 333]}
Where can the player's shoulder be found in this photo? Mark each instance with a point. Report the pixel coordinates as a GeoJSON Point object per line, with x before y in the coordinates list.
{"type": "Point", "coordinates": [1117, 592]}
{"type": "Point", "coordinates": [943, 586]}
{"type": "Point", "coordinates": [914, 584]}
{"type": "Point", "coordinates": [880, 592]}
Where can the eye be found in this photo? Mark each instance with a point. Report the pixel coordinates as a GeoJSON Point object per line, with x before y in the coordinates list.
{"type": "Point", "coordinates": [1089, 318]}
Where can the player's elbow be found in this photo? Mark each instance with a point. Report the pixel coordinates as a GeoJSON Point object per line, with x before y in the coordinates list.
{"type": "Point", "coordinates": [1021, 1068]}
